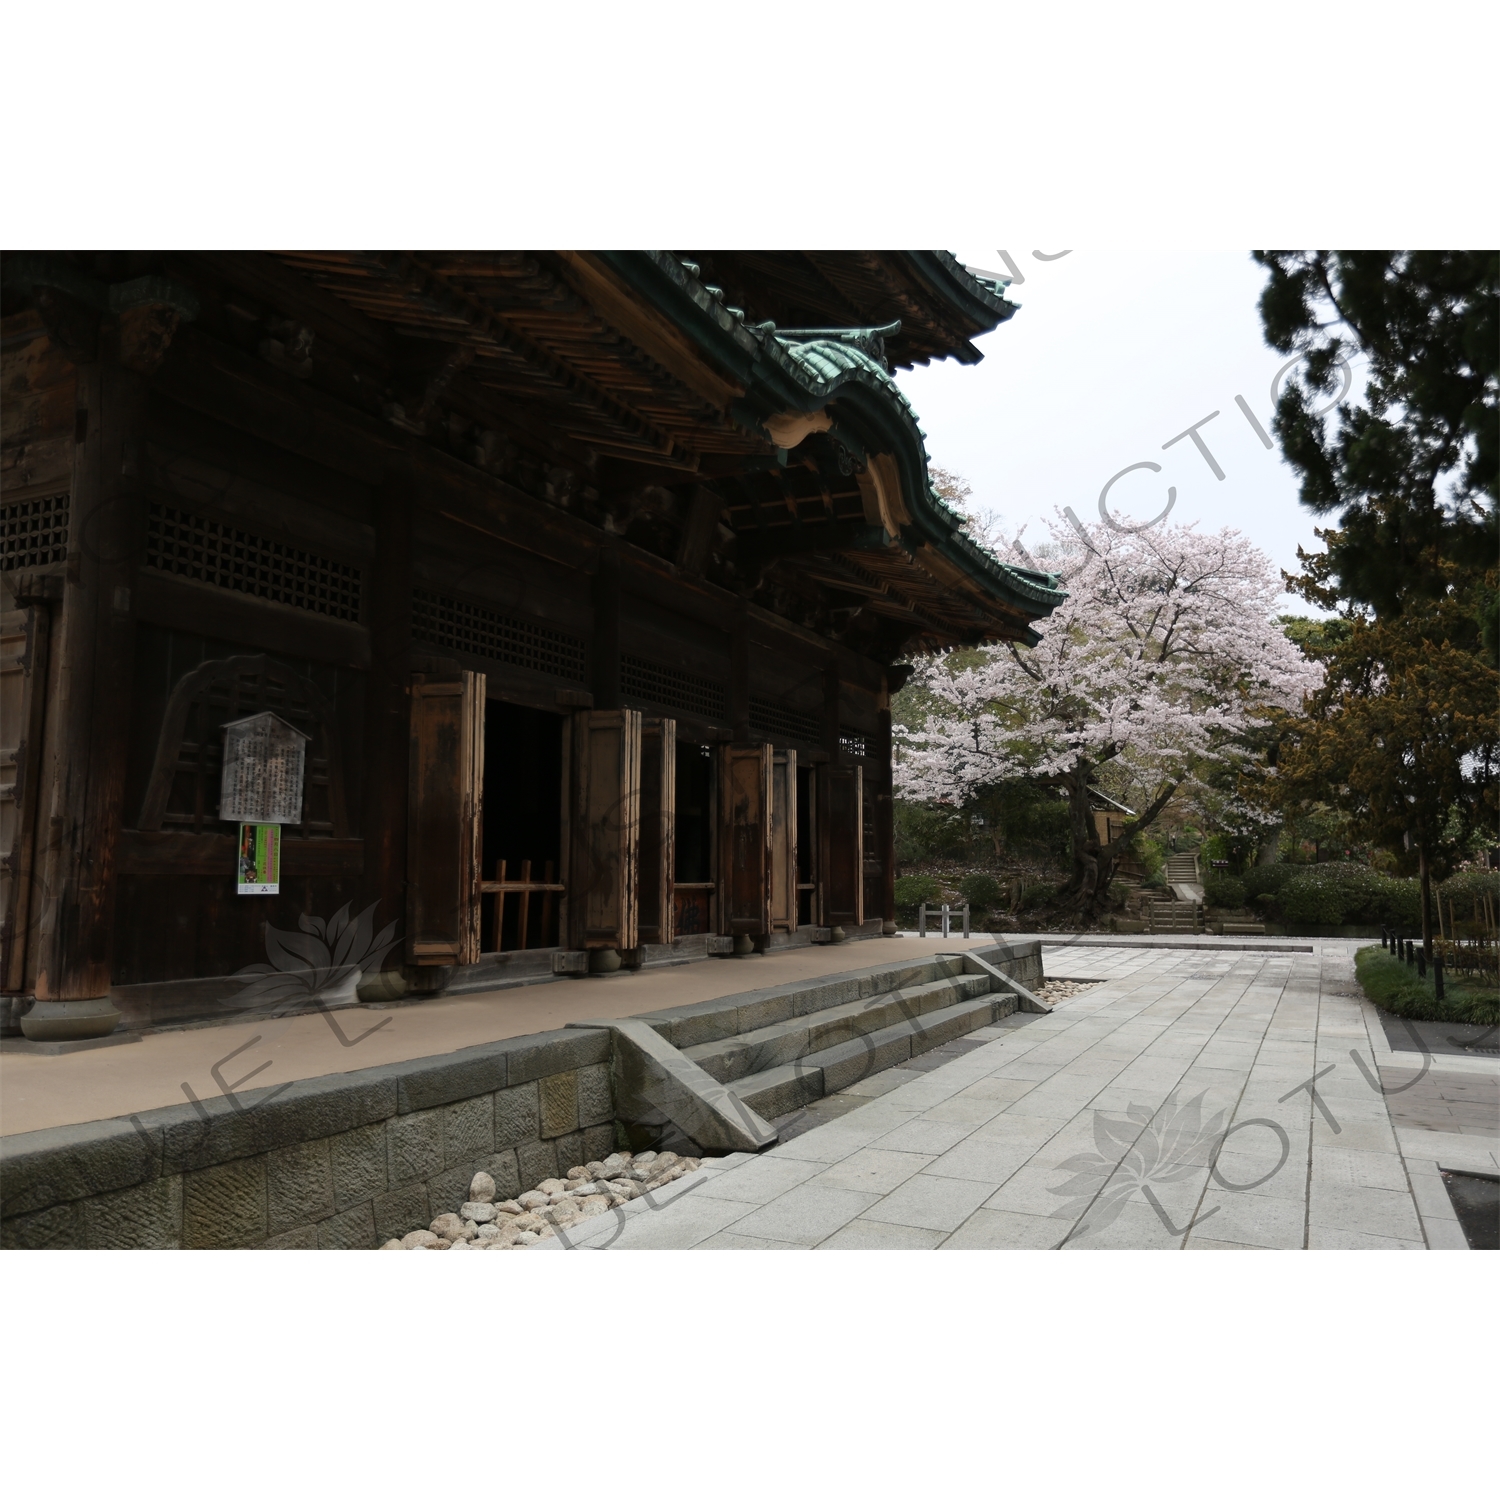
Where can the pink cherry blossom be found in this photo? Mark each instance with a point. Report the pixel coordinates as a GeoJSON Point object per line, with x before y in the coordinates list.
{"type": "Point", "coordinates": [1164, 652]}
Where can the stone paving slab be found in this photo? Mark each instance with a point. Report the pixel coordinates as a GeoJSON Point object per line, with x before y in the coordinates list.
{"type": "Point", "coordinates": [1242, 1099]}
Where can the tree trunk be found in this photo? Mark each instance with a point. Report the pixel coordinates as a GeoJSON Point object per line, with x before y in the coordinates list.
{"type": "Point", "coordinates": [1426, 874]}
{"type": "Point", "coordinates": [1082, 888]}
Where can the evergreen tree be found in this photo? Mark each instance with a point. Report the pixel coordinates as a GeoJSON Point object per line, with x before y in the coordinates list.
{"type": "Point", "coordinates": [1410, 468]}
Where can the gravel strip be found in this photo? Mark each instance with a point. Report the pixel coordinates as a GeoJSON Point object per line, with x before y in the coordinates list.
{"type": "Point", "coordinates": [558, 1203]}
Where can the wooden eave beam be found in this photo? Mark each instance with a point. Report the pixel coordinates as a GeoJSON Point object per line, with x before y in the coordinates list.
{"type": "Point", "coordinates": [445, 299]}
{"type": "Point", "coordinates": [300, 298]}
{"type": "Point", "coordinates": [653, 334]}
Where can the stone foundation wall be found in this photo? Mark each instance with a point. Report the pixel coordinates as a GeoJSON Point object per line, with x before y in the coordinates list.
{"type": "Point", "coordinates": [341, 1162]}
{"type": "Point", "coordinates": [350, 1160]}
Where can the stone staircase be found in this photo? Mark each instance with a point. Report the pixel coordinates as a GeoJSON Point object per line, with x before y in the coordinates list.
{"type": "Point", "coordinates": [1182, 910]}
{"type": "Point", "coordinates": [774, 1051]}
{"type": "Point", "coordinates": [777, 1069]}
{"type": "Point", "coordinates": [1183, 877]}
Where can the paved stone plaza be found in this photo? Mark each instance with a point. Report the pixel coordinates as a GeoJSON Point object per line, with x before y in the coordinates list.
{"type": "Point", "coordinates": [1197, 1098]}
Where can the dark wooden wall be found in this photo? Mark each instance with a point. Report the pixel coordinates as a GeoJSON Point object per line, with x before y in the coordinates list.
{"type": "Point", "coordinates": [454, 567]}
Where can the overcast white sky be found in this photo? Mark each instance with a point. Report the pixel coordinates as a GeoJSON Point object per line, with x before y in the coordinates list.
{"type": "Point", "coordinates": [1113, 354]}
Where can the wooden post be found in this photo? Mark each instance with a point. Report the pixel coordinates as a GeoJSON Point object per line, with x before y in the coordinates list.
{"type": "Point", "coordinates": [525, 907]}
{"type": "Point", "coordinates": [547, 879]}
{"type": "Point", "coordinates": [885, 817]}
{"type": "Point", "coordinates": [445, 792]}
{"type": "Point", "coordinates": [388, 698]}
{"type": "Point", "coordinates": [96, 656]}
{"type": "Point", "coordinates": [739, 680]}
{"type": "Point", "coordinates": [23, 700]}
{"type": "Point", "coordinates": [606, 643]}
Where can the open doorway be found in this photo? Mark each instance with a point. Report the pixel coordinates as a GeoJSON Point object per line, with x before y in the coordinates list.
{"type": "Point", "coordinates": [808, 914]}
{"type": "Point", "coordinates": [693, 876]}
{"type": "Point", "coordinates": [522, 825]}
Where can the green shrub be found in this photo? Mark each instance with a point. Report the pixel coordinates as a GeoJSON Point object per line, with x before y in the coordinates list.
{"type": "Point", "coordinates": [1262, 880]}
{"type": "Point", "coordinates": [1037, 895]}
{"type": "Point", "coordinates": [1467, 887]}
{"type": "Point", "coordinates": [1336, 895]}
{"type": "Point", "coordinates": [1394, 987]}
{"type": "Point", "coordinates": [1223, 890]}
{"type": "Point", "coordinates": [1316, 900]}
{"type": "Point", "coordinates": [925, 831]}
{"type": "Point", "coordinates": [1152, 854]}
{"type": "Point", "coordinates": [1400, 903]}
{"type": "Point", "coordinates": [913, 890]}
{"type": "Point", "coordinates": [982, 891]}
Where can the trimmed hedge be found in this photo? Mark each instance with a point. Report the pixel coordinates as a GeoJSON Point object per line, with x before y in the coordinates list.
{"type": "Point", "coordinates": [1339, 894]}
{"type": "Point", "coordinates": [1262, 880]}
{"type": "Point", "coordinates": [1224, 890]}
{"type": "Point", "coordinates": [1390, 984]}
{"type": "Point", "coordinates": [1336, 895]}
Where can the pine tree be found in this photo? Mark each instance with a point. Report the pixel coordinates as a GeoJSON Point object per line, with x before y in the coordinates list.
{"type": "Point", "coordinates": [1412, 467]}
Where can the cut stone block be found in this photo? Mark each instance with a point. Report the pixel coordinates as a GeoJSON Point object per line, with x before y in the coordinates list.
{"type": "Point", "coordinates": [653, 1078]}
{"type": "Point", "coordinates": [1004, 983]}
{"type": "Point", "coordinates": [780, 1091]}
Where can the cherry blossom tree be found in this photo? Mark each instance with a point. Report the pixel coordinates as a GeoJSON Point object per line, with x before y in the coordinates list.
{"type": "Point", "coordinates": [1162, 659]}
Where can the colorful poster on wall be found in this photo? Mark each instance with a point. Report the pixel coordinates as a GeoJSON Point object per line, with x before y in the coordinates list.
{"type": "Point", "coordinates": [260, 859]}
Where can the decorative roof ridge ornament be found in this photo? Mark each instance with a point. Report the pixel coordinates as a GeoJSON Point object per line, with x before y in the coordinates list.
{"type": "Point", "coordinates": [994, 279]}
{"type": "Point", "coordinates": [870, 340]}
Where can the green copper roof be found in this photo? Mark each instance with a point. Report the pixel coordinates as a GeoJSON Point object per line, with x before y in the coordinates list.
{"type": "Point", "coordinates": [806, 370]}
{"type": "Point", "coordinates": [829, 365]}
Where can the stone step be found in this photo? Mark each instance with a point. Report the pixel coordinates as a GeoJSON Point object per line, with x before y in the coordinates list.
{"type": "Point", "coordinates": [790, 1086]}
{"type": "Point", "coordinates": [784, 1042]}
{"type": "Point", "coordinates": [727, 1016]}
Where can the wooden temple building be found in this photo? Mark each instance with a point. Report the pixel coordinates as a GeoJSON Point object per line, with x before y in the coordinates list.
{"type": "Point", "coordinates": [583, 577]}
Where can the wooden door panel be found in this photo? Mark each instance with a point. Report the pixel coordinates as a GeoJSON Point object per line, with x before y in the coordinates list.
{"type": "Point", "coordinates": [784, 833]}
{"type": "Point", "coordinates": [23, 691]}
{"type": "Point", "coordinates": [445, 819]}
{"type": "Point", "coordinates": [658, 821]}
{"type": "Point", "coordinates": [842, 811]}
{"type": "Point", "coordinates": [745, 840]}
{"type": "Point", "coordinates": [604, 822]}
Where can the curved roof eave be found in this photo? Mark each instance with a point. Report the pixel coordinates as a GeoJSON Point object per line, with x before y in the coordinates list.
{"type": "Point", "coordinates": [870, 403]}
{"type": "Point", "coordinates": [978, 298]}
{"type": "Point", "coordinates": [781, 374]}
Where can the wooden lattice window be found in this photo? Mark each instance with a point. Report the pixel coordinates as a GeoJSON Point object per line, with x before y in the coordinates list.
{"type": "Point", "coordinates": [785, 723]}
{"type": "Point", "coordinates": [669, 687]}
{"type": "Point", "coordinates": [34, 533]}
{"type": "Point", "coordinates": [462, 625]}
{"type": "Point", "coordinates": [183, 792]}
{"type": "Point", "coordinates": [215, 552]}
